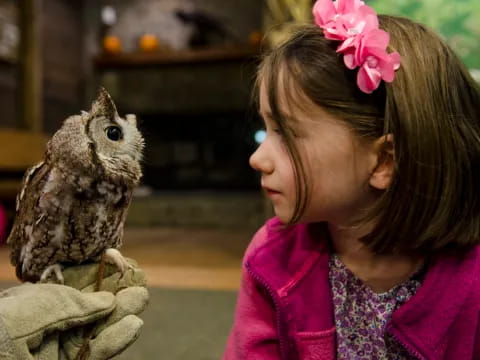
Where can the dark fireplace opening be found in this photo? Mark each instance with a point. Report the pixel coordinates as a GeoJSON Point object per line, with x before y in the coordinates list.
{"type": "Point", "coordinates": [200, 151]}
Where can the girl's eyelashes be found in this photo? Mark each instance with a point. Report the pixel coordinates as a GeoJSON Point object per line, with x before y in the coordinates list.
{"type": "Point", "coordinates": [285, 131]}
{"type": "Point", "coordinates": [274, 127]}
{"type": "Point", "coordinates": [278, 132]}
{"type": "Point", "coordinates": [290, 131]}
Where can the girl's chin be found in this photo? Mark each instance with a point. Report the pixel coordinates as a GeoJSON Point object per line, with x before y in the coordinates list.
{"type": "Point", "coordinates": [283, 216]}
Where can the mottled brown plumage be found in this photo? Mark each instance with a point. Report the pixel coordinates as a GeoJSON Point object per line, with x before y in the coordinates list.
{"type": "Point", "coordinates": [73, 204]}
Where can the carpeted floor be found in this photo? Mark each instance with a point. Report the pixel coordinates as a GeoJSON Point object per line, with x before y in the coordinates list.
{"type": "Point", "coordinates": [184, 325]}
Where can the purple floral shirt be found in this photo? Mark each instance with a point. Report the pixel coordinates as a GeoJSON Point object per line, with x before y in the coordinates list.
{"type": "Point", "coordinates": [361, 315]}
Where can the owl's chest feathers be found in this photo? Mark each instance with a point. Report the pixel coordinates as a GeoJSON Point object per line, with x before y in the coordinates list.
{"type": "Point", "coordinates": [80, 216]}
{"type": "Point", "coordinates": [86, 188]}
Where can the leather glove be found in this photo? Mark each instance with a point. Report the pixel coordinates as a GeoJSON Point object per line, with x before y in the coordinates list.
{"type": "Point", "coordinates": [48, 321]}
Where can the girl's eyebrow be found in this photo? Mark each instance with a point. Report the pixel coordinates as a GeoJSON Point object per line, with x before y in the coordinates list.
{"type": "Point", "coordinates": [268, 115]}
{"type": "Point", "coordinates": [292, 121]}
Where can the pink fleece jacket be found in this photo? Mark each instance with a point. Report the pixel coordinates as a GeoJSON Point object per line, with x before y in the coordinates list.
{"type": "Point", "coordinates": [284, 309]}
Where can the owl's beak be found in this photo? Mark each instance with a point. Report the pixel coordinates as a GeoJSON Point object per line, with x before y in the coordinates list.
{"type": "Point", "coordinates": [132, 119]}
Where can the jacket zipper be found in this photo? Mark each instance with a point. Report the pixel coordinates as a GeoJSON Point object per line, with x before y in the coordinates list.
{"type": "Point", "coordinates": [276, 303]}
{"type": "Point", "coordinates": [410, 350]}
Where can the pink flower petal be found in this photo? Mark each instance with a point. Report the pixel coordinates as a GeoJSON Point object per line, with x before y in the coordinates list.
{"type": "Point", "coordinates": [348, 43]}
{"type": "Point", "coordinates": [363, 43]}
{"type": "Point", "coordinates": [324, 11]}
{"type": "Point", "coordinates": [337, 30]}
{"type": "Point", "coordinates": [388, 73]}
{"type": "Point", "coordinates": [380, 53]}
{"type": "Point", "coordinates": [368, 79]}
{"type": "Point", "coordinates": [367, 14]}
{"type": "Point", "coordinates": [342, 6]}
{"type": "Point", "coordinates": [396, 60]}
{"type": "Point", "coordinates": [348, 6]}
{"type": "Point", "coordinates": [371, 43]}
{"type": "Point", "coordinates": [358, 27]}
{"type": "Point", "coordinates": [361, 52]}
{"type": "Point", "coordinates": [333, 34]}
{"type": "Point", "coordinates": [376, 38]}
{"type": "Point", "coordinates": [387, 68]}
{"type": "Point", "coordinates": [349, 59]}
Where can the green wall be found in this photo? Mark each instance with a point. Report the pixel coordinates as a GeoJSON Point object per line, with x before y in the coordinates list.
{"type": "Point", "coordinates": [456, 20]}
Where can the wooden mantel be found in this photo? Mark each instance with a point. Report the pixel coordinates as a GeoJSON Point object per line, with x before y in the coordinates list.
{"type": "Point", "coordinates": [172, 57]}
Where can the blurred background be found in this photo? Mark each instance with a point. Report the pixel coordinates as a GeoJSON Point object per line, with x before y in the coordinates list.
{"type": "Point", "coordinates": [186, 69]}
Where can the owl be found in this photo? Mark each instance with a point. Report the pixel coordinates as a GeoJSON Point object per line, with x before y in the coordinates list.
{"type": "Point", "coordinates": [73, 204]}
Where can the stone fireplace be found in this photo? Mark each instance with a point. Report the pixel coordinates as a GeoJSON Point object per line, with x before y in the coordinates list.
{"type": "Point", "coordinates": [195, 110]}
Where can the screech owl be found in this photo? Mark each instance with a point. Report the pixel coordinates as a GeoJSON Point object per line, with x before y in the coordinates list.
{"type": "Point", "coordinates": [73, 204]}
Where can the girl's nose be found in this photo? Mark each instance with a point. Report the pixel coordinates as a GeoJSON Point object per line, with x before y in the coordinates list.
{"type": "Point", "coordinates": [260, 161]}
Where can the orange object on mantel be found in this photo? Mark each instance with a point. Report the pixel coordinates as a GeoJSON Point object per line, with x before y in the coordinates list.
{"type": "Point", "coordinates": [149, 43]}
{"type": "Point", "coordinates": [112, 44]}
{"type": "Point", "coordinates": [255, 38]}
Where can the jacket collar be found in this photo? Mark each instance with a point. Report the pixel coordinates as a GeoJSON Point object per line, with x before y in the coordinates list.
{"type": "Point", "coordinates": [288, 253]}
{"type": "Point", "coordinates": [432, 314]}
{"type": "Point", "coordinates": [421, 324]}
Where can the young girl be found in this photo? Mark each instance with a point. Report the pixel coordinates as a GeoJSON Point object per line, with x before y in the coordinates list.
{"type": "Point", "coordinates": [372, 163]}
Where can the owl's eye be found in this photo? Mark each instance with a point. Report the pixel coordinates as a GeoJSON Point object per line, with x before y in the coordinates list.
{"type": "Point", "coordinates": [114, 133]}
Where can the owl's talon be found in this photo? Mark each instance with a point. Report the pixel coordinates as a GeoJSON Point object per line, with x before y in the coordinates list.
{"type": "Point", "coordinates": [130, 267]}
{"type": "Point", "coordinates": [113, 256]}
{"type": "Point", "coordinates": [55, 269]}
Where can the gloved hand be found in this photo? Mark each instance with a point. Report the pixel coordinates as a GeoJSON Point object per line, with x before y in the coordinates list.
{"type": "Point", "coordinates": [47, 321]}
{"type": "Point", "coordinates": [84, 277]}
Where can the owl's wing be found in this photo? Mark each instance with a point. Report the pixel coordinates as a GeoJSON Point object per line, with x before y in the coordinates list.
{"type": "Point", "coordinates": [120, 217]}
{"type": "Point", "coordinates": [29, 174]}
{"type": "Point", "coordinates": [25, 203]}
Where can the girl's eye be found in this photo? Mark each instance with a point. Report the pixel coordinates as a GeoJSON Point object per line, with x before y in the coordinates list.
{"type": "Point", "coordinates": [114, 133]}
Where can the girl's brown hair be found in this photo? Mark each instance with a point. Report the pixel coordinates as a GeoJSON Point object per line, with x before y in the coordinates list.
{"type": "Point", "coordinates": [432, 108]}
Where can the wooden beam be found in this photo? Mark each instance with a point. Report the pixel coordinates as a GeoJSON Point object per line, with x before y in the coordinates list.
{"type": "Point", "coordinates": [20, 149]}
{"type": "Point", "coordinates": [91, 38]}
{"type": "Point", "coordinates": [30, 88]}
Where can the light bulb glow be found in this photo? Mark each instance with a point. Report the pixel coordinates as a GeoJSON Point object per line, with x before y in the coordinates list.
{"type": "Point", "coordinates": [260, 136]}
{"type": "Point", "coordinates": [109, 15]}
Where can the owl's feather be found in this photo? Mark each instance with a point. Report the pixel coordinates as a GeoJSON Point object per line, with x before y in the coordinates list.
{"type": "Point", "coordinates": [73, 205]}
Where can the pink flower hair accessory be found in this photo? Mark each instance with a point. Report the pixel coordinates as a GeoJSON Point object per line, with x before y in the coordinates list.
{"type": "Point", "coordinates": [363, 44]}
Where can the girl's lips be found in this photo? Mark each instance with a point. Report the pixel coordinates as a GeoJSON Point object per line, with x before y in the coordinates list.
{"type": "Point", "coordinates": [271, 192]}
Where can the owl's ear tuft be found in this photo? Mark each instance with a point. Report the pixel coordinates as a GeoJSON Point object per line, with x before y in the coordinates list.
{"type": "Point", "coordinates": [104, 105]}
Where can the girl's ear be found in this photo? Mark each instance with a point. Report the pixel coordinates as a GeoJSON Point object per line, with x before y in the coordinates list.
{"type": "Point", "coordinates": [382, 174]}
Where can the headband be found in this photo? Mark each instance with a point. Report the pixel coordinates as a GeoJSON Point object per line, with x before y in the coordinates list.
{"type": "Point", "coordinates": [363, 44]}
